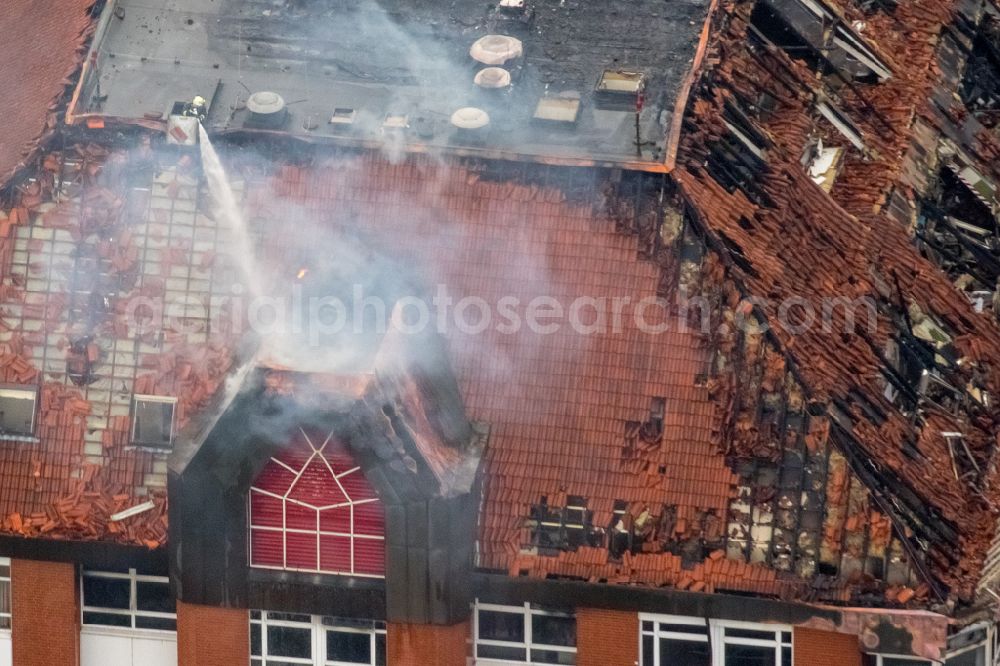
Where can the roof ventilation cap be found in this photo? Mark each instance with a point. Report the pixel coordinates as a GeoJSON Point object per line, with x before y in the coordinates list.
{"type": "Point", "coordinates": [470, 118]}
{"type": "Point", "coordinates": [496, 49]}
{"type": "Point", "coordinates": [265, 103]}
{"type": "Point", "coordinates": [492, 77]}
{"type": "Point", "coordinates": [267, 109]}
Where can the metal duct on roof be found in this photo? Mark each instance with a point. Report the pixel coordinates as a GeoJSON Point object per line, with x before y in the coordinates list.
{"type": "Point", "coordinates": [496, 49]}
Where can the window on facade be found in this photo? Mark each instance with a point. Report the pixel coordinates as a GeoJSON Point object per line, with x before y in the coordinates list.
{"type": "Point", "coordinates": [311, 509]}
{"type": "Point", "coordinates": [17, 412]}
{"type": "Point", "coordinates": [667, 640]}
{"type": "Point", "coordinates": [756, 645]}
{"type": "Point", "coordinates": [4, 593]}
{"type": "Point", "coordinates": [972, 657]}
{"type": "Point", "coordinates": [974, 645]}
{"type": "Point", "coordinates": [153, 421]}
{"type": "Point", "coordinates": [282, 639]}
{"type": "Point", "coordinates": [523, 635]}
{"type": "Point", "coordinates": [675, 640]}
{"type": "Point", "coordinates": [128, 600]}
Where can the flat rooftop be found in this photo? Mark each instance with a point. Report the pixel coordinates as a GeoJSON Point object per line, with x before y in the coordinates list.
{"type": "Point", "coordinates": [408, 62]}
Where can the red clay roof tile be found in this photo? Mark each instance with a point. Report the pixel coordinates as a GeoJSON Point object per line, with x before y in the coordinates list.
{"type": "Point", "coordinates": [43, 45]}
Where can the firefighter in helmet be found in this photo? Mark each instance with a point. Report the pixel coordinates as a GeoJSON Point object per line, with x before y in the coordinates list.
{"type": "Point", "coordinates": [196, 108]}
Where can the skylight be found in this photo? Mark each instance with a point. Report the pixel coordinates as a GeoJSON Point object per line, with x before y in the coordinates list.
{"type": "Point", "coordinates": [17, 412]}
{"type": "Point", "coordinates": [342, 116]}
{"type": "Point", "coordinates": [396, 122]}
{"type": "Point", "coordinates": [561, 109]}
{"type": "Point", "coordinates": [621, 82]}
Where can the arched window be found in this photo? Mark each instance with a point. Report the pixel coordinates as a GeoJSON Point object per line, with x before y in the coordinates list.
{"type": "Point", "coordinates": [312, 509]}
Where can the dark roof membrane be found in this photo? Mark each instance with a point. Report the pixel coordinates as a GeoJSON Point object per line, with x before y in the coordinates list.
{"type": "Point", "coordinates": [407, 58]}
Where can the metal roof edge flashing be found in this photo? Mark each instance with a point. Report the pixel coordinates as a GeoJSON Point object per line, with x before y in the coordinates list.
{"type": "Point", "coordinates": [86, 69]}
{"type": "Point", "coordinates": [680, 105]}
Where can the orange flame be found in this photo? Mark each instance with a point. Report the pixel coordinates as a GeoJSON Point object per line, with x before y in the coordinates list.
{"type": "Point", "coordinates": [302, 273]}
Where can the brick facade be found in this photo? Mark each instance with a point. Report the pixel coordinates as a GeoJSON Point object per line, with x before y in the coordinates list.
{"type": "Point", "coordinates": [45, 613]}
{"type": "Point", "coordinates": [825, 648]}
{"type": "Point", "coordinates": [427, 645]}
{"type": "Point", "coordinates": [210, 636]}
{"type": "Point", "coordinates": [606, 638]}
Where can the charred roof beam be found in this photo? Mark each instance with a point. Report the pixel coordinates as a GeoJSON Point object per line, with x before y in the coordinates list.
{"type": "Point", "coordinates": [832, 68]}
{"type": "Point", "coordinates": [817, 25]}
{"type": "Point", "coordinates": [905, 519]}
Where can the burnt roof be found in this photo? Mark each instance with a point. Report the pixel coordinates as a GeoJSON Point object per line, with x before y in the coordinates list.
{"type": "Point", "coordinates": [42, 47]}
{"type": "Point", "coordinates": [785, 238]}
{"type": "Point", "coordinates": [403, 57]}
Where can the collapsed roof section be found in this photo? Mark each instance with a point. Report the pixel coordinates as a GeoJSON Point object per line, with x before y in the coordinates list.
{"type": "Point", "coordinates": [570, 81]}
{"type": "Point", "coordinates": [613, 456]}
{"type": "Point", "coordinates": [826, 466]}
{"type": "Point", "coordinates": [910, 394]}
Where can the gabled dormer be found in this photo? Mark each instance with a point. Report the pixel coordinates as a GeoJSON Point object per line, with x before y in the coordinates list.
{"type": "Point", "coordinates": [347, 491]}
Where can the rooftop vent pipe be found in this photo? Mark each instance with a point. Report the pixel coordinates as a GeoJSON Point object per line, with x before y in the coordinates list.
{"type": "Point", "coordinates": [267, 109]}
{"type": "Point", "coordinates": [492, 77]}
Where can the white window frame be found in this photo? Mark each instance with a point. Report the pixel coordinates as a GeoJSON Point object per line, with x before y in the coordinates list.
{"type": "Point", "coordinates": [716, 636]}
{"type": "Point", "coordinates": [988, 644]}
{"type": "Point", "coordinates": [527, 612]}
{"type": "Point", "coordinates": [162, 399]}
{"type": "Point", "coordinates": [5, 588]}
{"type": "Point", "coordinates": [777, 642]}
{"type": "Point", "coordinates": [318, 636]}
{"type": "Point", "coordinates": [22, 392]}
{"type": "Point", "coordinates": [133, 611]}
{"type": "Point", "coordinates": [879, 658]}
{"type": "Point", "coordinates": [284, 530]}
{"type": "Point", "coordinates": [657, 633]}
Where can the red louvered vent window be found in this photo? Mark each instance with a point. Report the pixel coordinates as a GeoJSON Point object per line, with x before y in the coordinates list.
{"type": "Point", "coordinates": [312, 509]}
